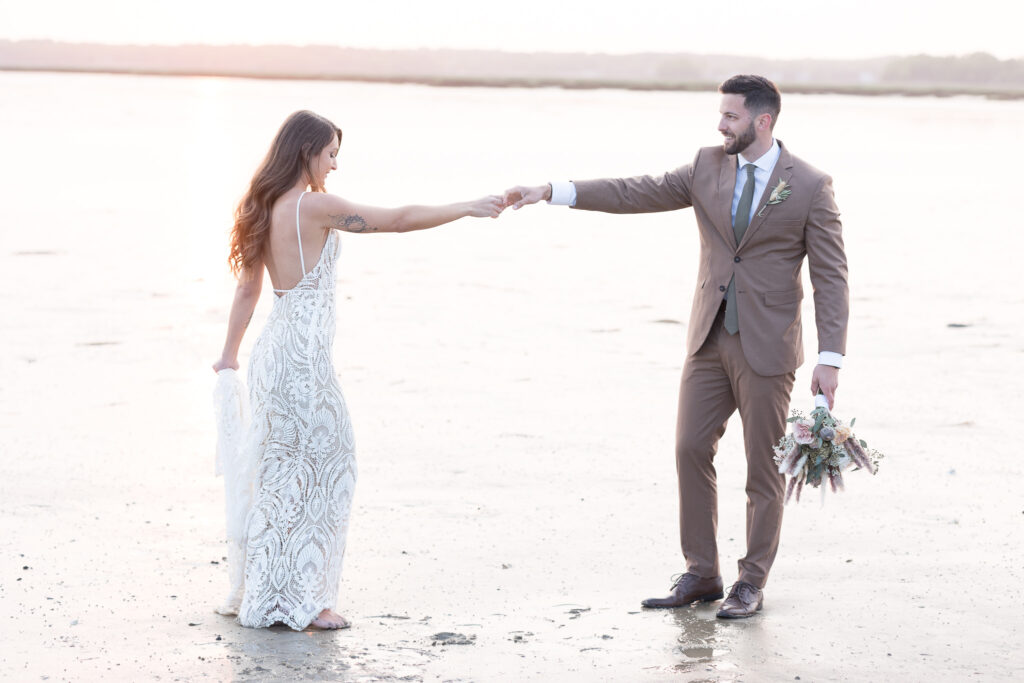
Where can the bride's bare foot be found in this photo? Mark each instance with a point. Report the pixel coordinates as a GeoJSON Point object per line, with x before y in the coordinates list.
{"type": "Point", "coordinates": [329, 619]}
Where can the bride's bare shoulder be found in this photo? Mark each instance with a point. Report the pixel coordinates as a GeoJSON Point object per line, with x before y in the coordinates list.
{"type": "Point", "coordinates": [324, 201]}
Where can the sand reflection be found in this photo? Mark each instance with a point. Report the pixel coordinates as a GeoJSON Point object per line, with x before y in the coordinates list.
{"type": "Point", "coordinates": [705, 642]}
{"type": "Point", "coordinates": [278, 653]}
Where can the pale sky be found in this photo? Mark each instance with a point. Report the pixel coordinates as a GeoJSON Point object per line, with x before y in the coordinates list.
{"type": "Point", "coordinates": [783, 29]}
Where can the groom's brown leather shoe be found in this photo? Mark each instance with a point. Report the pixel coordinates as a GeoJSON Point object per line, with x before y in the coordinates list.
{"type": "Point", "coordinates": [688, 588]}
{"type": "Point", "coordinates": [745, 600]}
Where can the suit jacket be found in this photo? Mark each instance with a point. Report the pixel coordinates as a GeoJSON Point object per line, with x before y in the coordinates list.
{"type": "Point", "coordinates": [766, 263]}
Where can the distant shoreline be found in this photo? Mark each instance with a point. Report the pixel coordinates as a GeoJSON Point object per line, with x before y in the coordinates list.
{"type": "Point", "coordinates": [868, 90]}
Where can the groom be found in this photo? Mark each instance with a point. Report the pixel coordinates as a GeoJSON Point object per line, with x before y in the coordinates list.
{"type": "Point", "coordinates": [760, 210]}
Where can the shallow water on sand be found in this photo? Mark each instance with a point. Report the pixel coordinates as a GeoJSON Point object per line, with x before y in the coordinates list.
{"type": "Point", "coordinates": [512, 385]}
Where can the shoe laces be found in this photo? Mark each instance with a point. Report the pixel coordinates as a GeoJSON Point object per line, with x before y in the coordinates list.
{"type": "Point", "coordinates": [678, 578]}
{"type": "Point", "coordinates": [737, 589]}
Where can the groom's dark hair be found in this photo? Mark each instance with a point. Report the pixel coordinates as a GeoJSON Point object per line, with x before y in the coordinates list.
{"type": "Point", "coordinates": [760, 95]}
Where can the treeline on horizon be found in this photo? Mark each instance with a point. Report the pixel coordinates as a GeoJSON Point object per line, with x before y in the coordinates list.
{"type": "Point", "coordinates": [978, 73]}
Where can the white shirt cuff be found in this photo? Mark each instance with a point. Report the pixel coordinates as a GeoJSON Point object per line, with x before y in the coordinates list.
{"type": "Point", "coordinates": [830, 358]}
{"type": "Point", "coordinates": [563, 193]}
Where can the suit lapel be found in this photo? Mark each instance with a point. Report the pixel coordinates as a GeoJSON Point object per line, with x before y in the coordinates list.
{"type": "Point", "coordinates": [783, 171]}
{"type": "Point", "coordinates": [726, 189]}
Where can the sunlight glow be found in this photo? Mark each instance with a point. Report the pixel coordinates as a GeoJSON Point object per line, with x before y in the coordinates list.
{"type": "Point", "coordinates": [793, 29]}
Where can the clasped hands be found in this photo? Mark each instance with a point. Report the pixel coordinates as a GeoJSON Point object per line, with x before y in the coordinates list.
{"type": "Point", "coordinates": [516, 197]}
{"type": "Point", "coordinates": [520, 196]}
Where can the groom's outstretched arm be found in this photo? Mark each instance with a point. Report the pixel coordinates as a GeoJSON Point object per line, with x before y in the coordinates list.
{"type": "Point", "coordinates": [639, 194]}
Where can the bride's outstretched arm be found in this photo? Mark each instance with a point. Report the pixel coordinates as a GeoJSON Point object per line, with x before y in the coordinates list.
{"type": "Point", "coordinates": [247, 293]}
{"type": "Point", "coordinates": [340, 214]}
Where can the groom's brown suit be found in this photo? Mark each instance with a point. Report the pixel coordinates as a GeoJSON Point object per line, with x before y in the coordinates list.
{"type": "Point", "coordinates": [754, 369]}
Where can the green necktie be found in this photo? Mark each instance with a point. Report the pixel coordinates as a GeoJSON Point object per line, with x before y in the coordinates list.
{"type": "Point", "coordinates": [739, 226]}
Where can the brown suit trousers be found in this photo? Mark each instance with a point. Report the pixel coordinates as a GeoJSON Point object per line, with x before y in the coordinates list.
{"type": "Point", "coordinates": [752, 371]}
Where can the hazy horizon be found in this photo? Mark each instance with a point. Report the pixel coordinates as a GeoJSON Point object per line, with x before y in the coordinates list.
{"type": "Point", "coordinates": [798, 29]}
{"type": "Point", "coordinates": [498, 50]}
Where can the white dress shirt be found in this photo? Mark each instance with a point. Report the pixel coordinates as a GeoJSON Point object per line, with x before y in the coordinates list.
{"type": "Point", "coordinates": [563, 193]}
{"type": "Point", "coordinates": [763, 168]}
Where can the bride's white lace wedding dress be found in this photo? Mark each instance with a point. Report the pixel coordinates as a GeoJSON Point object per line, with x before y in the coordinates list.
{"type": "Point", "coordinates": [302, 449]}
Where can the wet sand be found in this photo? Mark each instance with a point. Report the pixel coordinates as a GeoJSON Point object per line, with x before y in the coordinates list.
{"type": "Point", "coordinates": [512, 386]}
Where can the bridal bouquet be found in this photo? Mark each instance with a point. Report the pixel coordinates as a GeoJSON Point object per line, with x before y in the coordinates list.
{"type": "Point", "coordinates": [820, 447]}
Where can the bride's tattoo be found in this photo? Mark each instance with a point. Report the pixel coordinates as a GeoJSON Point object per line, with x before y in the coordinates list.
{"type": "Point", "coordinates": [352, 223]}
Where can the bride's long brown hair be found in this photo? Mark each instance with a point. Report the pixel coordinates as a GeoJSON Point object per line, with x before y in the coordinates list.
{"type": "Point", "coordinates": [299, 141]}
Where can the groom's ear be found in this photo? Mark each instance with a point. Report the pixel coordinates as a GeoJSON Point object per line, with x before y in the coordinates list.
{"type": "Point", "coordinates": [763, 121]}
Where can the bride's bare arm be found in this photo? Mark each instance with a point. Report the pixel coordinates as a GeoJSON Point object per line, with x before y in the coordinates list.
{"type": "Point", "coordinates": [247, 293]}
{"type": "Point", "coordinates": [340, 214]}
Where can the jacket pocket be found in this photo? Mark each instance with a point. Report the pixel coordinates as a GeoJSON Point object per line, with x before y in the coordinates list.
{"type": "Point", "coordinates": [780, 298]}
{"type": "Point", "coordinates": [784, 223]}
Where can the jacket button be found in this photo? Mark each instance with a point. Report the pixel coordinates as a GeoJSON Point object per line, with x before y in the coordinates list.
{"type": "Point", "coordinates": [721, 288]}
{"type": "Point", "coordinates": [737, 259]}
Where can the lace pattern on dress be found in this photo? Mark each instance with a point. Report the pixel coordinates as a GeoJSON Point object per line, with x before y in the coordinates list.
{"type": "Point", "coordinates": [301, 439]}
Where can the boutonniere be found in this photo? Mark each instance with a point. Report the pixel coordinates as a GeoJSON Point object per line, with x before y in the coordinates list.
{"type": "Point", "coordinates": [780, 193]}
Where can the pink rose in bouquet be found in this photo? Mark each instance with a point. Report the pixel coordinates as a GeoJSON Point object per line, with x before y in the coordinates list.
{"type": "Point", "coordinates": [802, 432]}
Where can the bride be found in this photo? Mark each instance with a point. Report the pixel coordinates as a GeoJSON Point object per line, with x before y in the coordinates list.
{"type": "Point", "coordinates": [300, 437]}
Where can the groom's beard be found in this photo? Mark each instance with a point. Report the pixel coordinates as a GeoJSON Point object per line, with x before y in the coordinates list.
{"type": "Point", "coordinates": [740, 143]}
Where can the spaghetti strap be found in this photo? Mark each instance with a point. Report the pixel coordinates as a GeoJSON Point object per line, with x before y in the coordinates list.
{"type": "Point", "coordinates": [298, 234]}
